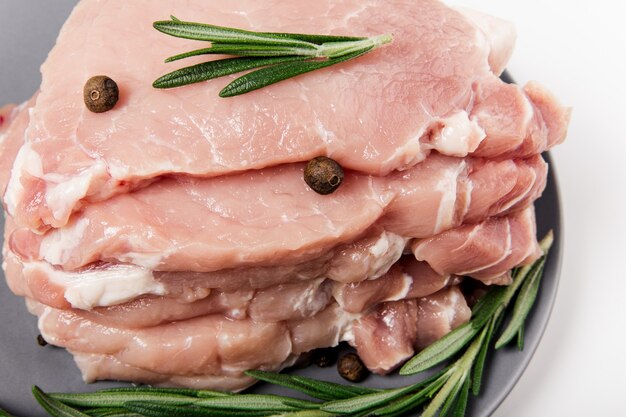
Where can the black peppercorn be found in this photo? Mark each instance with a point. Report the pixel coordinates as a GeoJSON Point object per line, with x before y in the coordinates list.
{"type": "Point", "coordinates": [323, 175]}
{"type": "Point", "coordinates": [351, 367]}
{"type": "Point", "coordinates": [100, 94]}
{"type": "Point", "coordinates": [325, 357]}
{"type": "Point", "coordinates": [41, 341]}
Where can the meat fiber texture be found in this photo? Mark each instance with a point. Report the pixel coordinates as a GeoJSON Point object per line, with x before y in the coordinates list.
{"type": "Point", "coordinates": [169, 240]}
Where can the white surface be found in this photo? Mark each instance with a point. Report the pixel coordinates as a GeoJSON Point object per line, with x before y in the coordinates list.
{"type": "Point", "coordinates": [578, 50]}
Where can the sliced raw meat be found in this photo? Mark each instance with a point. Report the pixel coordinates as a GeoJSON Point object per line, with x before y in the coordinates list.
{"type": "Point", "coordinates": [111, 284]}
{"type": "Point", "coordinates": [439, 314]}
{"type": "Point", "coordinates": [203, 345]}
{"type": "Point", "coordinates": [385, 338]}
{"type": "Point", "coordinates": [13, 123]}
{"type": "Point", "coordinates": [484, 251]}
{"type": "Point", "coordinates": [270, 217]}
{"type": "Point", "coordinates": [407, 279]}
{"type": "Point", "coordinates": [518, 123]}
{"type": "Point", "coordinates": [395, 104]}
{"type": "Point", "coordinates": [214, 345]}
{"type": "Point", "coordinates": [389, 335]}
{"type": "Point", "coordinates": [96, 367]}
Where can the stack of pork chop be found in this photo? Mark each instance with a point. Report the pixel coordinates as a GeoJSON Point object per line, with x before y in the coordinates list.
{"type": "Point", "coordinates": [173, 239]}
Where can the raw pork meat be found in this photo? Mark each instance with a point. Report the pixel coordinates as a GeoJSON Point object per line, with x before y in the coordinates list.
{"type": "Point", "coordinates": [272, 217]}
{"type": "Point", "coordinates": [435, 87]}
{"type": "Point", "coordinates": [172, 239]}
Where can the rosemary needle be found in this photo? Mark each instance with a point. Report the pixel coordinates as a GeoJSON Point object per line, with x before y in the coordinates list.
{"type": "Point", "coordinates": [278, 55]}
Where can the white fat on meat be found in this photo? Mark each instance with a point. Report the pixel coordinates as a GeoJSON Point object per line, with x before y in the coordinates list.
{"type": "Point", "coordinates": [27, 162]}
{"type": "Point", "coordinates": [100, 287]}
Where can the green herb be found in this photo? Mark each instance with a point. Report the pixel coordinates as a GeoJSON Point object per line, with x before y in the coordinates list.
{"type": "Point", "coordinates": [278, 55]}
{"type": "Point", "coordinates": [4, 413]}
{"type": "Point", "coordinates": [445, 393]}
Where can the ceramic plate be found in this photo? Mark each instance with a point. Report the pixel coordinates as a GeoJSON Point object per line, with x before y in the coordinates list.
{"type": "Point", "coordinates": [28, 29]}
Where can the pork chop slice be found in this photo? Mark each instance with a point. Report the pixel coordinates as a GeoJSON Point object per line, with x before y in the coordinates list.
{"type": "Point", "coordinates": [383, 112]}
{"type": "Point", "coordinates": [13, 123]}
{"type": "Point", "coordinates": [95, 367]}
{"type": "Point", "coordinates": [391, 334]}
{"type": "Point", "coordinates": [102, 285]}
{"type": "Point", "coordinates": [215, 346]}
{"type": "Point", "coordinates": [407, 279]}
{"type": "Point", "coordinates": [484, 251]}
{"type": "Point", "coordinates": [271, 217]}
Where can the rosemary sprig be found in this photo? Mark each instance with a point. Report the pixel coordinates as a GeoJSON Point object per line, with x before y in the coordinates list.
{"type": "Point", "coordinates": [279, 55]}
{"type": "Point", "coordinates": [444, 394]}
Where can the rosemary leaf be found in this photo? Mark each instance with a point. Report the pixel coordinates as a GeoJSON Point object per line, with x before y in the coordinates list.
{"type": "Point", "coordinates": [54, 407]}
{"type": "Point", "coordinates": [149, 409]}
{"type": "Point", "coordinates": [305, 413]}
{"type": "Point", "coordinates": [488, 305]}
{"type": "Point", "coordinates": [462, 368]}
{"type": "Point", "coordinates": [4, 413]}
{"type": "Point", "coordinates": [189, 392]}
{"type": "Point", "coordinates": [257, 402]}
{"type": "Point", "coordinates": [250, 50]}
{"type": "Point", "coordinates": [410, 402]}
{"type": "Point", "coordinates": [445, 392]}
{"type": "Point", "coordinates": [110, 412]}
{"type": "Point", "coordinates": [523, 304]}
{"type": "Point", "coordinates": [366, 402]}
{"type": "Point", "coordinates": [215, 69]}
{"type": "Point", "coordinates": [479, 364]}
{"type": "Point", "coordinates": [441, 350]}
{"type": "Point", "coordinates": [321, 390]}
{"type": "Point", "coordinates": [526, 270]}
{"type": "Point", "coordinates": [213, 33]}
{"type": "Point", "coordinates": [453, 396]}
{"type": "Point", "coordinates": [118, 398]}
{"type": "Point", "coordinates": [273, 74]}
{"type": "Point", "coordinates": [520, 337]}
{"type": "Point", "coordinates": [316, 39]}
{"type": "Point", "coordinates": [461, 404]}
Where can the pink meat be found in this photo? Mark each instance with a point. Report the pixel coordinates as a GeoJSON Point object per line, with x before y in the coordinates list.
{"type": "Point", "coordinates": [270, 217]}
{"type": "Point", "coordinates": [384, 338]}
{"type": "Point", "coordinates": [96, 367]}
{"type": "Point", "coordinates": [54, 287]}
{"type": "Point", "coordinates": [485, 250]}
{"type": "Point", "coordinates": [203, 345]}
{"type": "Point", "coordinates": [389, 335]}
{"type": "Point", "coordinates": [13, 123]}
{"type": "Point", "coordinates": [208, 348]}
{"type": "Point", "coordinates": [439, 314]}
{"type": "Point", "coordinates": [380, 113]}
{"type": "Point", "coordinates": [407, 279]}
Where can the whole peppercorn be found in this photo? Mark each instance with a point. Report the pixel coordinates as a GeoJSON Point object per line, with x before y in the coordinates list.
{"type": "Point", "coordinates": [100, 94]}
{"type": "Point", "coordinates": [351, 367]}
{"type": "Point", "coordinates": [323, 175]}
{"type": "Point", "coordinates": [41, 341]}
{"type": "Point", "coordinates": [325, 357]}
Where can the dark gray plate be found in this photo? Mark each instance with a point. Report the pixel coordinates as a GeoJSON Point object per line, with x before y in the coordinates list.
{"type": "Point", "coordinates": [28, 29]}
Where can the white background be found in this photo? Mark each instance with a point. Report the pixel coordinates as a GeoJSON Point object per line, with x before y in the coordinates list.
{"type": "Point", "coordinates": [578, 50]}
